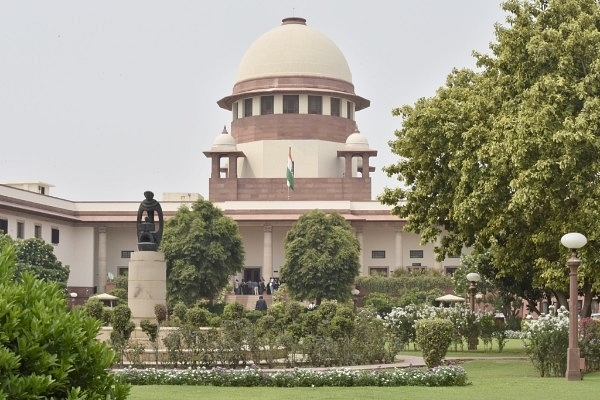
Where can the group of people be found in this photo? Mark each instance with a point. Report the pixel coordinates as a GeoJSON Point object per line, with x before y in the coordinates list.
{"type": "Point", "coordinates": [256, 288]}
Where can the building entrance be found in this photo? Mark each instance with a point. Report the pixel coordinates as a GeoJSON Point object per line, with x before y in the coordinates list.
{"type": "Point", "coordinates": [252, 274]}
{"type": "Point", "coordinates": [251, 280]}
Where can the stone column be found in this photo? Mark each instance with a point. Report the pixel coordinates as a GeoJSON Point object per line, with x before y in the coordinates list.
{"type": "Point", "coordinates": [216, 166]}
{"type": "Point", "coordinates": [102, 273]}
{"type": "Point", "coordinates": [267, 252]}
{"type": "Point", "coordinates": [348, 166]}
{"type": "Point", "coordinates": [365, 165]}
{"type": "Point", "coordinates": [398, 253]}
{"type": "Point", "coordinates": [232, 173]}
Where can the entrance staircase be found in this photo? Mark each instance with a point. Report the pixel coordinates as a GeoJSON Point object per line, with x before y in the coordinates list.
{"type": "Point", "coordinates": [248, 300]}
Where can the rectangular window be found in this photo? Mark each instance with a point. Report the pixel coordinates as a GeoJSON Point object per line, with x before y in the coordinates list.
{"type": "Point", "coordinates": [235, 111]}
{"type": "Point", "coordinates": [20, 230]}
{"type": "Point", "coordinates": [126, 253]}
{"type": "Point", "coordinates": [315, 105]}
{"type": "Point", "coordinates": [4, 225]}
{"type": "Point", "coordinates": [349, 110]}
{"type": "Point", "coordinates": [450, 270]}
{"type": "Point", "coordinates": [55, 236]}
{"type": "Point", "coordinates": [454, 255]}
{"type": "Point", "coordinates": [378, 254]}
{"type": "Point", "coordinates": [335, 107]}
{"type": "Point", "coordinates": [41, 190]}
{"type": "Point", "coordinates": [266, 105]}
{"type": "Point", "coordinates": [291, 104]}
{"type": "Point", "coordinates": [248, 108]}
{"type": "Point", "coordinates": [123, 270]}
{"type": "Point", "coordinates": [37, 231]}
{"type": "Point", "coordinates": [416, 254]}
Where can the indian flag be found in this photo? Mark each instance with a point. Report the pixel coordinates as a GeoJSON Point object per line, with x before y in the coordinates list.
{"type": "Point", "coordinates": [290, 170]}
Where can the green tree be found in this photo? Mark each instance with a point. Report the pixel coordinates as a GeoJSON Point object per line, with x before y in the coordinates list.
{"type": "Point", "coordinates": [36, 256]}
{"type": "Point", "coordinates": [506, 159]}
{"type": "Point", "coordinates": [203, 248]}
{"type": "Point", "coordinates": [321, 257]}
{"type": "Point", "coordinates": [47, 351]}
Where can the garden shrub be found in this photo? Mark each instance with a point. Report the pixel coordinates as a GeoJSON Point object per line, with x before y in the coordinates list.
{"type": "Point", "coordinates": [121, 294]}
{"type": "Point", "coordinates": [160, 312]}
{"type": "Point", "coordinates": [151, 330]}
{"type": "Point", "coordinates": [94, 308]}
{"type": "Point", "coordinates": [434, 336]}
{"type": "Point", "coordinates": [401, 283]}
{"type": "Point", "coordinates": [122, 329]}
{"type": "Point", "coordinates": [47, 351]}
{"type": "Point", "coordinates": [546, 341]}
{"type": "Point", "coordinates": [381, 302]}
{"type": "Point", "coordinates": [197, 316]}
{"type": "Point", "coordinates": [589, 333]}
{"type": "Point", "coordinates": [487, 327]}
{"type": "Point", "coordinates": [368, 345]}
{"type": "Point", "coordinates": [179, 311]}
{"type": "Point", "coordinates": [233, 311]}
{"type": "Point", "coordinates": [400, 322]}
{"type": "Point", "coordinates": [252, 377]}
{"type": "Point", "coordinates": [173, 344]}
{"type": "Point", "coordinates": [253, 315]}
{"type": "Point", "coordinates": [231, 348]}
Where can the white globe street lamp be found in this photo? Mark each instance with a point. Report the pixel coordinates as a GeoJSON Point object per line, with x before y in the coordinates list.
{"type": "Point", "coordinates": [573, 241]}
{"type": "Point", "coordinates": [472, 277]}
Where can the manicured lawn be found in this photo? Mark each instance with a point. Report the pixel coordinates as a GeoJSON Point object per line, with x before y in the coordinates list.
{"type": "Point", "coordinates": [512, 348]}
{"type": "Point", "coordinates": [492, 379]}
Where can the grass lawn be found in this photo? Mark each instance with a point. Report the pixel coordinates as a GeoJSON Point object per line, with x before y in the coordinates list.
{"type": "Point", "coordinates": [491, 379]}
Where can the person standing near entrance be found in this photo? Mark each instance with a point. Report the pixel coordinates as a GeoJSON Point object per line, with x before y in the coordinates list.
{"type": "Point", "coordinates": [261, 304]}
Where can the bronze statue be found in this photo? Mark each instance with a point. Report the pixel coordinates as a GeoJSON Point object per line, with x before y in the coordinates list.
{"type": "Point", "coordinates": [149, 235]}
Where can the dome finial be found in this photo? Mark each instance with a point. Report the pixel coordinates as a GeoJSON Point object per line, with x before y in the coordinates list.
{"type": "Point", "coordinates": [293, 20]}
{"type": "Point", "coordinates": [224, 132]}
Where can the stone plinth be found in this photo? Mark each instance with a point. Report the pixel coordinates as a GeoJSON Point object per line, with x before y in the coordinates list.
{"type": "Point", "coordinates": [147, 284]}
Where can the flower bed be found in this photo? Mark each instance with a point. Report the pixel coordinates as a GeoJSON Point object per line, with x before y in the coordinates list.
{"type": "Point", "coordinates": [438, 376]}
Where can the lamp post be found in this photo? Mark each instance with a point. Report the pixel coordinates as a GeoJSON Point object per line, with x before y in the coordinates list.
{"type": "Point", "coordinates": [573, 241]}
{"type": "Point", "coordinates": [73, 297]}
{"type": "Point", "coordinates": [472, 277]}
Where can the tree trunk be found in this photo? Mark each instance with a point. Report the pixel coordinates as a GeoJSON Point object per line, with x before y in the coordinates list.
{"type": "Point", "coordinates": [586, 307]}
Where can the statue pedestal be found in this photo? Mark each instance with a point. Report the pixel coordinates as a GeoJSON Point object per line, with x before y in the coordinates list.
{"type": "Point", "coordinates": [147, 284]}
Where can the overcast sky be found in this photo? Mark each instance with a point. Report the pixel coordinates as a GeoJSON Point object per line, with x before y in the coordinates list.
{"type": "Point", "coordinates": [107, 99]}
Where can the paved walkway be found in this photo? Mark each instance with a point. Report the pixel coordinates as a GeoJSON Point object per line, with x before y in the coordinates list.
{"type": "Point", "coordinates": [405, 362]}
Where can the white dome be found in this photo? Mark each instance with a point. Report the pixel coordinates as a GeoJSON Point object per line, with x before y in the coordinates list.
{"type": "Point", "coordinates": [293, 49]}
{"type": "Point", "coordinates": [224, 141]}
{"type": "Point", "coordinates": [357, 140]}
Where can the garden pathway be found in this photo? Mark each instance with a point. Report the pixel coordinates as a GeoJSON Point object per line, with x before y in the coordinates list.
{"type": "Point", "coordinates": [402, 361]}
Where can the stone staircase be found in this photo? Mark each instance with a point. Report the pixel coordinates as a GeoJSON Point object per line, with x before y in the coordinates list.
{"type": "Point", "coordinates": [248, 300]}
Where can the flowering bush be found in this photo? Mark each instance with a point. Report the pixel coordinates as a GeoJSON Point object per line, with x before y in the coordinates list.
{"type": "Point", "coordinates": [342, 377]}
{"type": "Point", "coordinates": [589, 343]}
{"type": "Point", "coordinates": [401, 322]}
{"type": "Point", "coordinates": [546, 340]}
